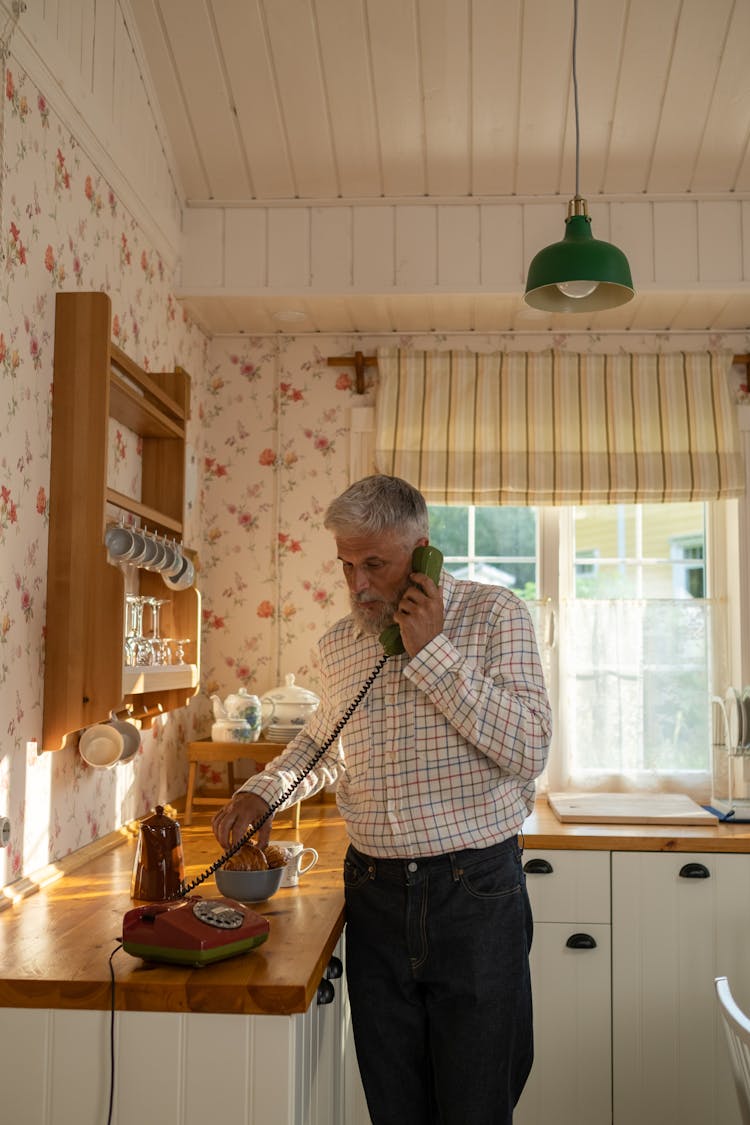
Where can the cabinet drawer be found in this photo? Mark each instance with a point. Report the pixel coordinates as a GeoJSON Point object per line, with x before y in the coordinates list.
{"type": "Point", "coordinates": [568, 886]}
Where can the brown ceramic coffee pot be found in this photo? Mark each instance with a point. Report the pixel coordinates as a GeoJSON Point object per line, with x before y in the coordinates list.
{"type": "Point", "coordinates": [159, 868]}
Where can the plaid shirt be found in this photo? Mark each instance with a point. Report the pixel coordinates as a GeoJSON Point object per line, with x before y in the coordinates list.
{"type": "Point", "coordinates": [442, 752]}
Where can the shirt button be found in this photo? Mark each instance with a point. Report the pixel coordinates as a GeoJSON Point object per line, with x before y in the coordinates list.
{"type": "Point", "coordinates": [411, 866]}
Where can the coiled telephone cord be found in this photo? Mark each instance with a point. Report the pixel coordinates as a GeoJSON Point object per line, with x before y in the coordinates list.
{"type": "Point", "coordinates": [186, 888]}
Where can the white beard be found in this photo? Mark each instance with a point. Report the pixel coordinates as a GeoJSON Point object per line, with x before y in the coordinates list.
{"type": "Point", "coordinates": [370, 623]}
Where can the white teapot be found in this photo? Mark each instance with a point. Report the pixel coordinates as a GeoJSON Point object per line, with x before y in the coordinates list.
{"type": "Point", "coordinates": [243, 707]}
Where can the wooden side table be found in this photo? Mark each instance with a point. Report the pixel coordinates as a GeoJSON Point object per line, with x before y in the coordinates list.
{"type": "Point", "coordinates": [205, 750]}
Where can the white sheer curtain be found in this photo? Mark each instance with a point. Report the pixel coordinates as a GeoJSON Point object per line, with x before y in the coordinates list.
{"type": "Point", "coordinates": [632, 688]}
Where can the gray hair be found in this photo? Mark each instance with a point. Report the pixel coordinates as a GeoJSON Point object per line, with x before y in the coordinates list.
{"type": "Point", "coordinates": [376, 504]}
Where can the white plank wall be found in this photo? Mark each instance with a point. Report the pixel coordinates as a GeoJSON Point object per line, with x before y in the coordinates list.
{"type": "Point", "coordinates": [468, 247]}
{"type": "Point", "coordinates": [368, 259]}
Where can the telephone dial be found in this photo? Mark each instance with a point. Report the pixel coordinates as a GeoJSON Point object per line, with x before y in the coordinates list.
{"type": "Point", "coordinates": [190, 930]}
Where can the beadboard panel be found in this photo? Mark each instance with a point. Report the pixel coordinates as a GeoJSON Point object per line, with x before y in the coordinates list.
{"type": "Point", "coordinates": [288, 262]}
{"type": "Point", "coordinates": [469, 247]}
{"type": "Point", "coordinates": [182, 1068]}
{"type": "Point", "coordinates": [671, 937]}
{"type": "Point", "coordinates": [173, 1067]}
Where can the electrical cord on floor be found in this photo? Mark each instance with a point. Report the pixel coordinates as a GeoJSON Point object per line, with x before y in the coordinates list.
{"type": "Point", "coordinates": [112, 1032]}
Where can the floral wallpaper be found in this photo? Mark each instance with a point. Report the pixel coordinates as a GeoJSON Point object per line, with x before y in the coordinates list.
{"type": "Point", "coordinates": [275, 426]}
{"type": "Point", "coordinates": [269, 446]}
{"type": "Point", "coordinates": [63, 227]}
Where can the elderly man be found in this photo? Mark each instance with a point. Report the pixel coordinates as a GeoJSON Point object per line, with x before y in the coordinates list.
{"type": "Point", "coordinates": [435, 774]}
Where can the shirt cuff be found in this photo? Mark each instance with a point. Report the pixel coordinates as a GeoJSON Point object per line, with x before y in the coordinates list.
{"type": "Point", "coordinates": [263, 785]}
{"type": "Point", "coordinates": [432, 662]}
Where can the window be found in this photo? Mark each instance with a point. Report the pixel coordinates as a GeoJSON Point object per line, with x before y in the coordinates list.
{"type": "Point", "coordinates": [470, 539]}
{"type": "Point", "coordinates": [689, 579]}
{"type": "Point", "coordinates": [630, 660]}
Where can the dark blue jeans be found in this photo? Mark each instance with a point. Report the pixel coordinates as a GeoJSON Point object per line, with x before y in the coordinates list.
{"type": "Point", "coordinates": [437, 961]}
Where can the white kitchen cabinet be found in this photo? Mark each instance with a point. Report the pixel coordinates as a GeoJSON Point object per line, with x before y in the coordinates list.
{"type": "Point", "coordinates": [181, 1068]}
{"type": "Point", "coordinates": [570, 1083]}
{"type": "Point", "coordinates": [678, 921]}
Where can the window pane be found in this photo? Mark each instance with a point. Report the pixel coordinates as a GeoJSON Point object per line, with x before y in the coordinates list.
{"type": "Point", "coordinates": [505, 532]}
{"type": "Point", "coordinates": [449, 529]}
{"type": "Point", "coordinates": [640, 551]}
{"type": "Point", "coordinates": [497, 546]}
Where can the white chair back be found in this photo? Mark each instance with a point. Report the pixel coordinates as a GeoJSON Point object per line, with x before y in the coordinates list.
{"type": "Point", "coordinates": [737, 1028]}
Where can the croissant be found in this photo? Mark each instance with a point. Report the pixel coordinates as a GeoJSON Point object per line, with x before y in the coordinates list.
{"type": "Point", "coordinates": [248, 858]}
{"type": "Point", "coordinates": [275, 857]}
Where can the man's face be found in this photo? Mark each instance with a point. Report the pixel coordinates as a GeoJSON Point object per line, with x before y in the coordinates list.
{"type": "Point", "coordinates": [377, 569]}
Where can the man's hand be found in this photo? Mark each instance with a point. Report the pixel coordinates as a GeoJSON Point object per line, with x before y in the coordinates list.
{"type": "Point", "coordinates": [420, 614]}
{"type": "Point", "coordinates": [231, 822]}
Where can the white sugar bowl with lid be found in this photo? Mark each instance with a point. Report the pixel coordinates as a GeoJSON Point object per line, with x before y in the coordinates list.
{"type": "Point", "coordinates": [292, 707]}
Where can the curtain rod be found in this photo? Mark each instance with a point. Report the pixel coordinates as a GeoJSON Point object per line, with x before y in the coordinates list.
{"type": "Point", "coordinates": [359, 362]}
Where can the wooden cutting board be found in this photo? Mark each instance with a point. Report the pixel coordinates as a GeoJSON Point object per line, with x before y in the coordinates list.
{"type": "Point", "coordinates": [628, 808]}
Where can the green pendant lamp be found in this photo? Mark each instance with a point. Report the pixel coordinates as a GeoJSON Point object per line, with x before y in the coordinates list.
{"type": "Point", "coordinates": [581, 273]}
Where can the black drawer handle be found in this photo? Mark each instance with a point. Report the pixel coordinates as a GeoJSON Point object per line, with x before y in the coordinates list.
{"type": "Point", "coordinates": [334, 969]}
{"type": "Point", "coordinates": [694, 871]}
{"type": "Point", "coordinates": [538, 867]}
{"type": "Point", "coordinates": [581, 941]}
{"type": "Point", "coordinates": [326, 992]}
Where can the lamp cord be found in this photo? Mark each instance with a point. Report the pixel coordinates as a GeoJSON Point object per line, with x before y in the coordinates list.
{"type": "Point", "coordinates": [575, 94]}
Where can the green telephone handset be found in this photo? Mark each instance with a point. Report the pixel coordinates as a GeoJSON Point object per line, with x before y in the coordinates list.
{"type": "Point", "coordinates": [427, 560]}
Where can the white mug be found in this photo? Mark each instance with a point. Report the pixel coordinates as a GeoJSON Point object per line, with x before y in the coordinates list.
{"type": "Point", "coordinates": [300, 859]}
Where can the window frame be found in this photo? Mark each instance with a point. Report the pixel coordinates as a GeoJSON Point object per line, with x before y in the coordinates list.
{"type": "Point", "coordinates": [555, 579]}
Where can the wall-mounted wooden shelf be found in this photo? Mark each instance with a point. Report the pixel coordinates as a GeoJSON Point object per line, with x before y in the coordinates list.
{"type": "Point", "coordinates": [150, 517]}
{"type": "Point", "coordinates": [95, 381]}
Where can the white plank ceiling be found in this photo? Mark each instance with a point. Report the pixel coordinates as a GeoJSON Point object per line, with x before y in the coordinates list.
{"type": "Point", "coordinates": [284, 103]}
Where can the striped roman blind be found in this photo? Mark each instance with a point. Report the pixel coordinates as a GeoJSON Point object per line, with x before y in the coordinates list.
{"type": "Point", "coordinates": [557, 427]}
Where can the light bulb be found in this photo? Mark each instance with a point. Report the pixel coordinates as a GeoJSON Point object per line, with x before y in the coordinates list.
{"type": "Point", "coordinates": [577, 288]}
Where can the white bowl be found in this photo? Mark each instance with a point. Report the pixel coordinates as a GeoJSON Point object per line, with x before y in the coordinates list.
{"type": "Point", "coordinates": [234, 730]}
{"type": "Point", "coordinates": [101, 746]}
{"type": "Point", "coordinates": [249, 886]}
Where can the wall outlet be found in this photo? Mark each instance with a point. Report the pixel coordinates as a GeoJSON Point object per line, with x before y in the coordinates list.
{"type": "Point", "coordinates": [4, 831]}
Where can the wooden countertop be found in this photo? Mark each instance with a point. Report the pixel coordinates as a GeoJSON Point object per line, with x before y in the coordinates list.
{"type": "Point", "coordinates": [55, 945]}
{"type": "Point", "coordinates": [543, 830]}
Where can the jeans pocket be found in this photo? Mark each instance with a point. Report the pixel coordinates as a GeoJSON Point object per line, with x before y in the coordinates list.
{"type": "Point", "coordinates": [493, 878]}
{"type": "Point", "coordinates": [357, 870]}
